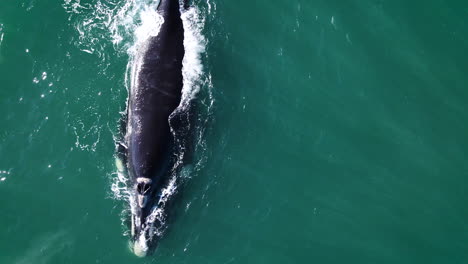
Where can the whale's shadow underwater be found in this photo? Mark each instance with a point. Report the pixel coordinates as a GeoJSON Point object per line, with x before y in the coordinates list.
{"type": "Point", "coordinates": [156, 138]}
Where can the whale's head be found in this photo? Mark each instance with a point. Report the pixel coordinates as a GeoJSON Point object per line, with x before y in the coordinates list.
{"type": "Point", "coordinates": [143, 201]}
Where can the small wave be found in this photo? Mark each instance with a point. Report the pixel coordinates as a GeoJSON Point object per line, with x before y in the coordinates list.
{"type": "Point", "coordinates": [1, 34]}
{"type": "Point", "coordinates": [45, 248]}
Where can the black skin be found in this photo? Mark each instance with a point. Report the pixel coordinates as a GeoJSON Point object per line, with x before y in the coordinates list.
{"type": "Point", "coordinates": [159, 90]}
{"type": "Point", "coordinates": [153, 98]}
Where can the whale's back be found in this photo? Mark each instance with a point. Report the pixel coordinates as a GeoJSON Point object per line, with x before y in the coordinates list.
{"type": "Point", "coordinates": [155, 95]}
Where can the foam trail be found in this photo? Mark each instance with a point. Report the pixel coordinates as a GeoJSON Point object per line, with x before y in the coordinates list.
{"type": "Point", "coordinates": [194, 44]}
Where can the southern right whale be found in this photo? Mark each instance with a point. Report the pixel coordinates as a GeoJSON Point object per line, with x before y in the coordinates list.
{"type": "Point", "coordinates": [155, 92]}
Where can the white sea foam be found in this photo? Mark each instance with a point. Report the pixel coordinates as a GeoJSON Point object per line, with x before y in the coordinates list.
{"type": "Point", "coordinates": [151, 22]}
{"type": "Point", "coordinates": [194, 43]}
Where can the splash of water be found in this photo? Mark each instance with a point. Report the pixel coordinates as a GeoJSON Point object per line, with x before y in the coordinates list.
{"type": "Point", "coordinates": [194, 43]}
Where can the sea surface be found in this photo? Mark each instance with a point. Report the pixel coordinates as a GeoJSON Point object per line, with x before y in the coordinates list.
{"type": "Point", "coordinates": [327, 131]}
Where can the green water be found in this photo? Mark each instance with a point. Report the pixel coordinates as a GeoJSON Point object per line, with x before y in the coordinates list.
{"type": "Point", "coordinates": [338, 134]}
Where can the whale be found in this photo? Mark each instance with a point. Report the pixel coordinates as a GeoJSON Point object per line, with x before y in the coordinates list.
{"type": "Point", "coordinates": [146, 152]}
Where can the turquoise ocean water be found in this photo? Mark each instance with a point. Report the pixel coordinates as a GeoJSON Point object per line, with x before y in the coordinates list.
{"type": "Point", "coordinates": [327, 132]}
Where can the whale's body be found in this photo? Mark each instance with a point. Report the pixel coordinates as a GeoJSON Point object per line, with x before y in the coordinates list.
{"type": "Point", "coordinates": [155, 92]}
